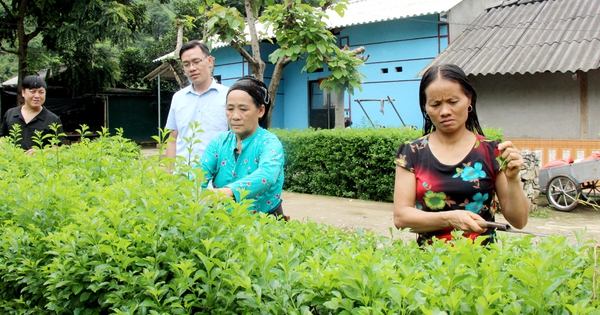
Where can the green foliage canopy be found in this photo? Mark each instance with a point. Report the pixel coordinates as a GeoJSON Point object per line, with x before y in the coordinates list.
{"type": "Point", "coordinates": [134, 66]}
{"type": "Point", "coordinates": [94, 228]}
{"type": "Point", "coordinates": [71, 29]}
{"type": "Point", "coordinates": [300, 32]}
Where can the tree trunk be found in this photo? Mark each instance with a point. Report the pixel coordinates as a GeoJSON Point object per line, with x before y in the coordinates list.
{"type": "Point", "coordinates": [180, 77]}
{"type": "Point", "coordinates": [21, 73]}
{"type": "Point", "coordinates": [256, 64]}
{"type": "Point", "coordinates": [21, 51]}
{"type": "Point", "coordinates": [274, 85]}
{"type": "Point", "coordinates": [338, 103]}
{"type": "Point", "coordinates": [179, 37]}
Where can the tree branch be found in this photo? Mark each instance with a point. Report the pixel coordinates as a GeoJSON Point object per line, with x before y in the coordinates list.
{"type": "Point", "coordinates": [33, 34]}
{"type": "Point", "coordinates": [275, 81]}
{"type": "Point", "coordinates": [358, 51]}
{"type": "Point", "coordinates": [251, 22]}
{"type": "Point", "coordinates": [278, 73]}
{"type": "Point", "coordinates": [179, 42]}
{"type": "Point", "coordinates": [245, 54]}
{"type": "Point", "coordinates": [179, 75]}
{"type": "Point", "coordinates": [256, 64]}
{"type": "Point", "coordinates": [8, 51]}
{"type": "Point", "coordinates": [7, 9]}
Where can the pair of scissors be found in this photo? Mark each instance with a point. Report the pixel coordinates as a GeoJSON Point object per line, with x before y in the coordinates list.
{"type": "Point", "coordinates": [507, 228]}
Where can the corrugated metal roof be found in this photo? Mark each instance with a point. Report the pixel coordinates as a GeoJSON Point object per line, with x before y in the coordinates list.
{"type": "Point", "coordinates": [529, 36]}
{"type": "Point", "coordinates": [370, 11]}
{"type": "Point", "coordinates": [14, 80]}
{"type": "Point", "coordinates": [165, 71]}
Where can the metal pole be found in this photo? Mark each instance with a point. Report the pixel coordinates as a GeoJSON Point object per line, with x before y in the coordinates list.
{"type": "Point", "coordinates": [106, 113]}
{"type": "Point", "coordinates": [159, 105]}
{"type": "Point", "coordinates": [394, 107]}
{"type": "Point", "coordinates": [364, 111]}
{"type": "Point", "coordinates": [328, 102]}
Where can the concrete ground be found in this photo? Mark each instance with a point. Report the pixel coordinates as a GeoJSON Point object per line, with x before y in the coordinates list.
{"type": "Point", "coordinates": [348, 214]}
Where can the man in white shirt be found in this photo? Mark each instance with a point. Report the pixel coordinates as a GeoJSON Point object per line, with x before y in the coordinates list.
{"type": "Point", "coordinates": [203, 101]}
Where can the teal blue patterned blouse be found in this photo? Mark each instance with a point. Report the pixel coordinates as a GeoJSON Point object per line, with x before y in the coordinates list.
{"type": "Point", "coordinates": [258, 169]}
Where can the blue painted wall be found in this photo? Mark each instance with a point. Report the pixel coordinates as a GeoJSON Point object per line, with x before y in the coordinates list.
{"type": "Point", "coordinates": [230, 65]}
{"type": "Point", "coordinates": [296, 95]}
{"type": "Point", "coordinates": [397, 51]}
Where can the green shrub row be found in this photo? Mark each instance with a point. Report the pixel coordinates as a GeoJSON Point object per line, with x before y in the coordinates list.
{"type": "Point", "coordinates": [351, 163]}
{"type": "Point", "coordinates": [93, 228]}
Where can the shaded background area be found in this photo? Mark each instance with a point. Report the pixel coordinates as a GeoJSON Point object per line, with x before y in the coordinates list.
{"type": "Point", "coordinates": [136, 111]}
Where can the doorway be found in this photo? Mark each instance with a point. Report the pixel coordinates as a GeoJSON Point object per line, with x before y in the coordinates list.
{"type": "Point", "coordinates": [322, 112]}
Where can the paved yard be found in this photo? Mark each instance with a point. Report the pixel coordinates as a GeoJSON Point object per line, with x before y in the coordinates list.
{"type": "Point", "coordinates": [348, 214]}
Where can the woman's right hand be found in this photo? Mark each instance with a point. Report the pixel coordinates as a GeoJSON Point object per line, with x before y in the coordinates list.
{"type": "Point", "coordinates": [466, 221]}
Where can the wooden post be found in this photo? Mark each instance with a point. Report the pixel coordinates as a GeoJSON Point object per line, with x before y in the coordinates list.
{"type": "Point", "coordinates": [583, 85]}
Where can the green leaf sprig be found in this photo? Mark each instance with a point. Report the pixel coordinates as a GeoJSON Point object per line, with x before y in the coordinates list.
{"type": "Point", "coordinates": [502, 161]}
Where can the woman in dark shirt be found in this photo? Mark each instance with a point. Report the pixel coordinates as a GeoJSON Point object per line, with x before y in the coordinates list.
{"type": "Point", "coordinates": [448, 179]}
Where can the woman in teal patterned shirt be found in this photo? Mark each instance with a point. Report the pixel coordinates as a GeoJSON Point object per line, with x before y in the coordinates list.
{"type": "Point", "coordinates": [247, 160]}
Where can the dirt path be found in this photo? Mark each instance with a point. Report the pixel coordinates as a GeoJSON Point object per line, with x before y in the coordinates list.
{"type": "Point", "coordinates": [348, 214]}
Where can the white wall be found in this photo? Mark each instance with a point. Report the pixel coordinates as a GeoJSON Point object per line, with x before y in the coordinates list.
{"type": "Point", "coordinates": [593, 104]}
{"type": "Point", "coordinates": [534, 106]}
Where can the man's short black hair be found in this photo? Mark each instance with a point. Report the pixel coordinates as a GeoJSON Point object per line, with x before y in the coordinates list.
{"type": "Point", "coordinates": [33, 82]}
{"type": "Point", "coordinates": [194, 43]}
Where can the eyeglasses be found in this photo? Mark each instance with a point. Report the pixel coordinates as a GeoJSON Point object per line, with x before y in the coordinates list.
{"type": "Point", "coordinates": [195, 62]}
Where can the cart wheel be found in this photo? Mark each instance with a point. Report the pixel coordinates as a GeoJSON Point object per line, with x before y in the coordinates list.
{"type": "Point", "coordinates": [562, 193]}
{"type": "Point", "coordinates": [590, 192]}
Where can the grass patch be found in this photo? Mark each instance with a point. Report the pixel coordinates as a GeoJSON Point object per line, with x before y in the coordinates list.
{"type": "Point", "coordinates": [541, 213]}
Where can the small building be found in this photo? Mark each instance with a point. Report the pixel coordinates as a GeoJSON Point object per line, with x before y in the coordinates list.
{"type": "Point", "coordinates": [400, 38]}
{"type": "Point", "coordinates": [136, 111]}
{"type": "Point", "coordinates": [535, 65]}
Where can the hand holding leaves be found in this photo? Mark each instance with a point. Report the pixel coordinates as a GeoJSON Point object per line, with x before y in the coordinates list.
{"type": "Point", "coordinates": [502, 161]}
{"type": "Point", "coordinates": [510, 159]}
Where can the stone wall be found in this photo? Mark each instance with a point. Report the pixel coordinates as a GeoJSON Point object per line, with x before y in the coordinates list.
{"type": "Point", "coordinates": [529, 177]}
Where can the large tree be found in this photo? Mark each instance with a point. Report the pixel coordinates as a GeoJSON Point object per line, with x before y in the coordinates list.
{"type": "Point", "coordinates": [70, 28]}
{"type": "Point", "coordinates": [300, 31]}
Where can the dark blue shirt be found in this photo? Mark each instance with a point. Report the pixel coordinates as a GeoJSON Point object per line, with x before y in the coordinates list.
{"type": "Point", "coordinates": [41, 122]}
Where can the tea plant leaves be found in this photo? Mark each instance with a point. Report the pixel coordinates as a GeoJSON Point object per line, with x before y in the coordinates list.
{"type": "Point", "coordinates": [95, 228]}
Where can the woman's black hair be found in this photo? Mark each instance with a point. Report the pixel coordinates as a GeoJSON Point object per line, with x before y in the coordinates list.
{"type": "Point", "coordinates": [259, 92]}
{"type": "Point", "coordinates": [33, 82]}
{"type": "Point", "coordinates": [455, 74]}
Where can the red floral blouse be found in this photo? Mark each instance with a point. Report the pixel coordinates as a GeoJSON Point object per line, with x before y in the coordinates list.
{"type": "Point", "coordinates": [468, 185]}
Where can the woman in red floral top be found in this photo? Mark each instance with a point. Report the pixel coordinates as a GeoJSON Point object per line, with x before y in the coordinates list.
{"type": "Point", "coordinates": [447, 180]}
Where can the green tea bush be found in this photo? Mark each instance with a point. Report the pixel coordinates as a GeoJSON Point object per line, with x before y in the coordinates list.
{"type": "Point", "coordinates": [94, 228]}
{"type": "Point", "coordinates": [351, 163]}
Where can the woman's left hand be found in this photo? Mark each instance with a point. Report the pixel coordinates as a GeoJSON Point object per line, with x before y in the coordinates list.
{"type": "Point", "coordinates": [220, 193]}
{"type": "Point", "coordinates": [223, 191]}
{"type": "Point", "coordinates": [513, 160]}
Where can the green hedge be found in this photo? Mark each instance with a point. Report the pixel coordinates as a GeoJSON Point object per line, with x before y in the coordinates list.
{"type": "Point", "coordinates": [95, 229]}
{"type": "Point", "coordinates": [351, 163]}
